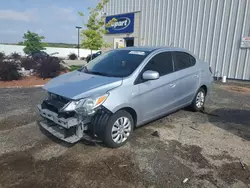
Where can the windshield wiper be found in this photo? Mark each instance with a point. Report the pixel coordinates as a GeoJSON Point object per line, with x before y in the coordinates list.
{"type": "Point", "coordinates": [98, 73]}
{"type": "Point", "coordinates": [85, 70]}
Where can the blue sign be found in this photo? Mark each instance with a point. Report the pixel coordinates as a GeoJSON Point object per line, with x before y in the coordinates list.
{"type": "Point", "coordinates": [124, 23]}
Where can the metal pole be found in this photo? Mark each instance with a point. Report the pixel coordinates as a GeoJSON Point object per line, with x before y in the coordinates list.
{"type": "Point", "coordinates": [78, 46]}
{"type": "Point", "coordinates": [78, 43]}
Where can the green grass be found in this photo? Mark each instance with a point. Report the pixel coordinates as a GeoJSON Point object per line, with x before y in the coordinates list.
{"type": "Point", "coordinates": [74, 67]}
{"type": "Point", "coordinates": [60, 45]}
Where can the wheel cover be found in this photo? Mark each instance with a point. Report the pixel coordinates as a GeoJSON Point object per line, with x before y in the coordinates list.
{"type": "Point", "coordinates": [121, 130]}
{"type": "Point", "coordinates": [200, 99]}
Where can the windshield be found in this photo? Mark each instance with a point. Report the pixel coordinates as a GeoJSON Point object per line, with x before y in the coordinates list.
{"type": "Point", "coordinates": [117, 63]}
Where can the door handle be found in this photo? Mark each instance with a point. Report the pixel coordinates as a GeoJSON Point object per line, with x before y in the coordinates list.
{"type": "Point", "coordinates": [196, 76]}
{"type": "Point", "coordinates": [172, 85]}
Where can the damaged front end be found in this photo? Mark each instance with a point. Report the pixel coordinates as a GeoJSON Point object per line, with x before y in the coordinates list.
{"type": "Point", "coordinates": [69, 120]}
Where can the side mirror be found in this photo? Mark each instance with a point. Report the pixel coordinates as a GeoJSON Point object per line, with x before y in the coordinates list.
{"type": "Point", "coordinates": [150, 75]}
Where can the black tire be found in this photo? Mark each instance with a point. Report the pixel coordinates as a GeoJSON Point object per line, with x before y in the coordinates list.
{"type": "Point", "coordinates": [99, 121]}
{"type": "Point", "coordinates": [104, 132]}
{"type": "Point", "coordinates": [194, 105]}
{"type": "Point", "coordinates": [107, 137]}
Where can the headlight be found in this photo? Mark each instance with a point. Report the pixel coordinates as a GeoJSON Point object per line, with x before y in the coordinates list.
{"type": "Point", "coordinates": [85, 106]}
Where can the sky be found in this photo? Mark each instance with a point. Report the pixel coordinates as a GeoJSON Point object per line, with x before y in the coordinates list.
{"type": "Point", "coordinates": [53, 19]}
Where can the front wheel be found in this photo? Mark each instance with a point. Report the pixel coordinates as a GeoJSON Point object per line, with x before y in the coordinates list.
{"type": "Point", "coordinates": [118, 130]}
{"type": "Point", "coordinates": [199, 100]}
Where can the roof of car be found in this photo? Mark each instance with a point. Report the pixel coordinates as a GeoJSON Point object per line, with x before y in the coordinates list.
{"type": "Point", "coordinates": [150, 49]}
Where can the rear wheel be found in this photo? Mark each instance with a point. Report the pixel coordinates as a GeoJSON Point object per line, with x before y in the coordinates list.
{"type": "Point", "coordinates": [199, 100]}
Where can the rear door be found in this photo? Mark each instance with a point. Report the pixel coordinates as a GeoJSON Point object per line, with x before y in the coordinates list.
{"type": "Point", "coordinates": [157, 96]}
{"type": "Point", "coordinates": [188, 76]}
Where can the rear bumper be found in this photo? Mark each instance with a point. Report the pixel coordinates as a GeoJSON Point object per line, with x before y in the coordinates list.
{"type": "Point", "coordinates": [210, 85]}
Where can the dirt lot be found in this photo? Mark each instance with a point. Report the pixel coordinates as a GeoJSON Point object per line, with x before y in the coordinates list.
{"type": "Point", "coordinates": [204, 147]}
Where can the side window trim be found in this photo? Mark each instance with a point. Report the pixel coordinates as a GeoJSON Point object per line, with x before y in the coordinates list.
{"type": "Point", "coordinates": [192, 57]}
{"type": "Point", "coordinates": [173, 59]}
{"type": "Point", "coordinates": [138, 79]}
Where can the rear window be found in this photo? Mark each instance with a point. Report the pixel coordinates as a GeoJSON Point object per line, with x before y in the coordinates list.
{"type": "Point", "coordinates": [183, 60]}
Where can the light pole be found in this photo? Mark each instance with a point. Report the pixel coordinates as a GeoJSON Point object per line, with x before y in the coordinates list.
{"type": "Point", "coordinates": [78, 46]}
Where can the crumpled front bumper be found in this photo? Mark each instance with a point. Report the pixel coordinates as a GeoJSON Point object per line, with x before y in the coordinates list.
{"type": "Point", "coordinates": [66, 123]}
{"type": "Point", "coordinates": [59, 132]}
{"type": "Point", "coordinates": [70, 130]}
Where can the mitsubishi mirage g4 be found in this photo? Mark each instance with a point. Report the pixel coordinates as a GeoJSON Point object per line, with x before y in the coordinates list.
{"type": "Point", "coordinates": [123, 89]}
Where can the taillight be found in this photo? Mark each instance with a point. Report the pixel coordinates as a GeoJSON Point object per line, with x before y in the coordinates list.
{"type": "Point", "coordinates": [210, 69]}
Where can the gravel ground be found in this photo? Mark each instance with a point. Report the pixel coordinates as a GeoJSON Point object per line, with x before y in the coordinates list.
{"type": "Point", "coordinates": [204, 147]}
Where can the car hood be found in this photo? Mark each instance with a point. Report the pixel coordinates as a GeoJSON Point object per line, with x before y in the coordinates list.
{"type": "Point", "coordinates": [77, 85]}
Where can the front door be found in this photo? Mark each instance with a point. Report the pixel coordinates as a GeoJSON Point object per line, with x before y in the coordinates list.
{"type": "Point", "coordinates": [129, 41]}
{"type": "Point", "coordinates": [119, 43]}
{"type": "Point", "coordinates": [158, 96]}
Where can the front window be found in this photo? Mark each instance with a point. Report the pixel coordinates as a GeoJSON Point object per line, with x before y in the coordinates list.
{"type": "Point", "coordinates": [161, 63]}
{"type": "Point", "coordinates": [117, 63]}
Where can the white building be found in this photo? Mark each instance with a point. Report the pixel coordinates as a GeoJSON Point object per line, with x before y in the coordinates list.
{"type": "Point", "coordinates": [217, 31]}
